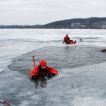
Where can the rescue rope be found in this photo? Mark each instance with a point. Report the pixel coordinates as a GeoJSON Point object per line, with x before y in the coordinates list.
{"type": "Point", "coordinates": [33, 61]}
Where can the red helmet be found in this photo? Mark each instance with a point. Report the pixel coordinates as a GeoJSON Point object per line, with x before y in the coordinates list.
{"type": "Point", "coordinates": [43, 63]}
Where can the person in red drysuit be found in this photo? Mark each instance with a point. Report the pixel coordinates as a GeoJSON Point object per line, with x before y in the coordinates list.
{"type": "Point", "coordinates": [67, 40]}
{"type": "Point", "coordinates": [42, 73]}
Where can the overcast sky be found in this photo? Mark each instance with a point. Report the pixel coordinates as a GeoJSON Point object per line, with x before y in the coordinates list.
{"type": "Point", "coordinates": [45, 11]}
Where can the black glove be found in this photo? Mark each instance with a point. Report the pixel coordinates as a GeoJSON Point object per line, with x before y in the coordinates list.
{"type": "Point", "coordinates": [50, 76]}
{"type": "Point", "coordinates": [33, 78]}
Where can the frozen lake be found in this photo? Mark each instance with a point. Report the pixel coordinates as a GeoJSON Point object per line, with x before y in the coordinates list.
{"type": "Point", "coordinates": [81, 83]}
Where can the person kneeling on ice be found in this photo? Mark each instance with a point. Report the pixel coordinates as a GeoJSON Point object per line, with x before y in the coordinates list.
{"type": "Point", "coordinates": [67, 40]}
{"type": "Point", "coordinates": [42, 73]}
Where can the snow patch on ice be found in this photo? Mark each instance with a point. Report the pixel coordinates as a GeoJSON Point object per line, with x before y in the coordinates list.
{"type": "Point", "coordinates": [24, 103]}
{"type": "Point", "coordinates": [89, 101]}
{"type": "Point", "coordinates": [1, 70]}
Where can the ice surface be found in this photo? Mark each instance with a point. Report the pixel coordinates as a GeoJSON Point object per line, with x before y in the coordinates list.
{"type": "Point", "coordinates": [81, 86]}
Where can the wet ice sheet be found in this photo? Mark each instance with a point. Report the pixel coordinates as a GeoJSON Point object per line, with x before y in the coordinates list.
{"type": "Point", "coordinates": [60, 57]}
{"type": "Point", "coordinates": [82, 86]}
{"type": "Point", "coordinates": [87, 84]}
{"type": "Point", "coordinates": [73, 87]}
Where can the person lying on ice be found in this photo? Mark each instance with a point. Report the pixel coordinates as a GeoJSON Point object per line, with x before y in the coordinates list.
{"type": "Point", "coordinates": [42, 73]}
{"type": "Point", "coordinates": [67, 40]}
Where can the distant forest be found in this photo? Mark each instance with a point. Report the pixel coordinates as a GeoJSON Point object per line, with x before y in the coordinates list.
{"type": "Point", "coordinates": [76, 23]}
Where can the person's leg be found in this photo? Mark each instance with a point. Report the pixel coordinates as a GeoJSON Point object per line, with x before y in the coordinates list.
{"type": "Point", "coordinates": [75, 42]}
{"type": "Point", "coordinates": [36, 83]}
{"type": "Point", "coordinates": [67, 42]}
{"type": "Point", "coordinates": [43, 82]}
{"type": "Point", "coordinates": [71, 41]}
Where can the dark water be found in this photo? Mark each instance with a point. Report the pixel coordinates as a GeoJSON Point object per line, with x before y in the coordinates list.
{"type": "Point", "coordinates": [59, 57]}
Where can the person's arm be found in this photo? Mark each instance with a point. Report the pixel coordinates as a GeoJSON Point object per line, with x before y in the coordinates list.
{"type": "Point", "coordinates": [53, 72]}
{"type": "Point", "coordinates": [33, 73]}
{"type": "Point", "coordinates": [50, 75]}
{"type": "Point", "coordinates": [63, 40]}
